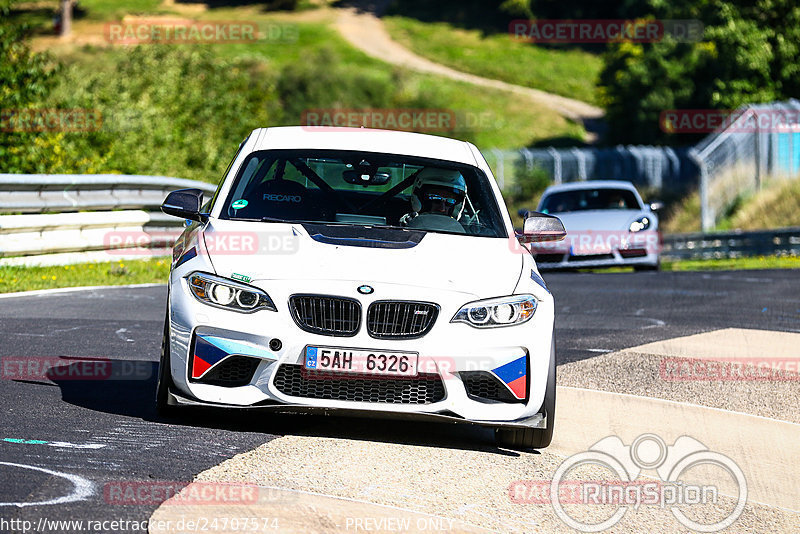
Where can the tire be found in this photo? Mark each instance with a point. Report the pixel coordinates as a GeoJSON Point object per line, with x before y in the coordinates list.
{"type": "Point", "coordinates": [534, 438]}
{"type": "Point", "coordinates": [656, 267]}
{"type": "Point", "coordinates": [163, 408]}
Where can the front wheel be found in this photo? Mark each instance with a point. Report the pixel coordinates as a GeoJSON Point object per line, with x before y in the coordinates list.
{"type": "Point", "coordinates": [163, 408]}
{"type": "Point", "coordinates": [534, 438]}
{"type": "Point", "coordinates": [655, 267]}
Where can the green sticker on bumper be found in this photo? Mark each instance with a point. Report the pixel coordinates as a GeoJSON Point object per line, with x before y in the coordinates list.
{"type": "Point", "coordinates": [241, 277]}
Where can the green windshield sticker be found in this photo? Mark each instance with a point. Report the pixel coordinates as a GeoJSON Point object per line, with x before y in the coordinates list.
{"type": "Point", "coordinates": [241, 277]}
{"type": "Point", "coordinates": [239, 204]}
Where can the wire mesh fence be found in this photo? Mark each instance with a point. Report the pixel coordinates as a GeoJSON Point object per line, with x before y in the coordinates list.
{"type": "Point", "coordinates": [761, 143]}
{"type": "Point", "coordinates": [656, 171]}
{"type": "Point", "coordinates": [754, 145]}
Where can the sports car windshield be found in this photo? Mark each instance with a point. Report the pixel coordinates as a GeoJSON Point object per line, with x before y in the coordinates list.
{"type": "Point", "coordinates": [360, 188]}
{"type": "Point", "coordinates": [590, 199]}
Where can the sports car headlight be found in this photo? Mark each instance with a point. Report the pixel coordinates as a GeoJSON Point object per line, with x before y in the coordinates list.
{"type": "Point", "coordinates": [504, 311]}
{"type": "Point", "coordinates": [642, 223]}
{"type": "Point", "coordinates": [228, 294]}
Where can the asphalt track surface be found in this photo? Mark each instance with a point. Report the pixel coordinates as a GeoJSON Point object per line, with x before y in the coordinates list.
{"type": "Point", "coordinates": [107, 431]}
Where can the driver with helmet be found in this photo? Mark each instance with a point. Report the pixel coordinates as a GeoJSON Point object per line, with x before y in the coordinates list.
{"type": "Point", "coordinates": [437, 201]}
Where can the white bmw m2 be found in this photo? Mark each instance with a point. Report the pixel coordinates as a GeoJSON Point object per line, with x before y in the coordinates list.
{"type": "Point", "coordinates": [362, 272]}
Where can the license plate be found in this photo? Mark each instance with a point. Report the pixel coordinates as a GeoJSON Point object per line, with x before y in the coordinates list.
{"type": "Point", "coordinates": [373, 362]}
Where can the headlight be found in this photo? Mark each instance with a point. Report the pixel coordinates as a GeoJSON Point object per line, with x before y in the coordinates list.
{"type": "Point", "coordinates": [642, 223]}
{"type": "Point", "coordinates": [504, 311]}
{"type": "Point", "coordinates": [228, 294]}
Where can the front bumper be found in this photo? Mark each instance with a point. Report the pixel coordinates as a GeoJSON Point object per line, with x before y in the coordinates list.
{"type": "Point", "coordinates": [449, 349]}
{"type": "Point", "coordinates": [534, 421]}
{"type": "Point", "coordinates": [612, 258]}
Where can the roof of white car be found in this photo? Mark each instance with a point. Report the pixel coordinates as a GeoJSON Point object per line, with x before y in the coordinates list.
{"type": "Point", "coordinates": [364, 139]}
{"type": "Point", "coordinates": [591, 184]}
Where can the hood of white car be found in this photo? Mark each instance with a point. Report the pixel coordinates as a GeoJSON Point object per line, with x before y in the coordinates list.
{"type": "Point", "coordinates": [608, 220]}
{"type": "Point", "coordinates": [485, 267]}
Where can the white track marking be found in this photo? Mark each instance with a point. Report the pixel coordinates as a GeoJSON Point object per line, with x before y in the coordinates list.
{"type": "Point", "coordinates": [45, 292]}
{"type": "Point", "coordinates": [82, 488]}
{"type": "Point", "coordinates": [656, 323]}
{"type": "Point", "coordinates": [60, 444]}
{"type": "Point", "coordinates": [121, 333]}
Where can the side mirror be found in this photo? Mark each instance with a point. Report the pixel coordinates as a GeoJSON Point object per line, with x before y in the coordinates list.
{"type": "Point", "coordinates": [656, 205]}
{"type": "Point", "coordinates": [523, 212]}
{"type": "Point", "coordinates": [185, 203]}
{"type": "Point", "coordinates": [541, 227]}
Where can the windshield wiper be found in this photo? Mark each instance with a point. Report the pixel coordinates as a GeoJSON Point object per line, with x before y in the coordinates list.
{"type": "Point", "coordinates": [286, 221]}
{"type": "Point", "coordinates": [264, 219]}
{"type": "Point", "coordinates": [330, 223]}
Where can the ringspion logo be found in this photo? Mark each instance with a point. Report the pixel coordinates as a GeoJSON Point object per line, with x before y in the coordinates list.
{"type": "Point", "coordinates": [623, 490]}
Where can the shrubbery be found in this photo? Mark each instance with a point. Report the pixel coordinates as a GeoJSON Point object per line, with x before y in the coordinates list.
{"type": "Point", "coordinates": [25, 79]}
{"type": "Point", "coordinates": [181, 111]}
{"type": "Point", "coordinates": [748, 55]}
{"type": "Point", "coordinates": [168, 110]}
{"type": "Point", "coordinates": [530, 183]}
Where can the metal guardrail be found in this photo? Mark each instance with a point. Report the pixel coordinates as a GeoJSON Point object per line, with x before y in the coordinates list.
{"type": "Point", "coordinates": [61, 219]}
{"type": "Point", "coordinates": [39, 193]}
{"type": "Point", "coordinates": [78, 229]}
{"type": "Point", "coordinates": [719, 245]}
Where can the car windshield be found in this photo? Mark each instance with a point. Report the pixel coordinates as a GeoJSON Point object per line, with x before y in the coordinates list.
{"type": "Point", "coordinates": [366, 189]}
{"type": "Point", "coordinates": [589, 199]}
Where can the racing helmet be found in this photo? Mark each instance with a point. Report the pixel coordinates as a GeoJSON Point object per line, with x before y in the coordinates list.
{"type": "Point", "coordinates": [432, 178]}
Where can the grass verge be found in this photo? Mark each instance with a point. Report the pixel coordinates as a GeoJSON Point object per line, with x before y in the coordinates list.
{"type": "Point", "coordinates": [182, 112]}
{"type": "Point", "coordinates": [115, 10]}
{"type": "Point", "coordinates": [735, 264]}
{"type": "Point", "coordinates": [153, 270]}
{"type": "Point", "coordinates": [570, 72]}
{"type": "Point", "coordinates": [156, 270]}
{"type": "Point", "coordinates": [777, 205]}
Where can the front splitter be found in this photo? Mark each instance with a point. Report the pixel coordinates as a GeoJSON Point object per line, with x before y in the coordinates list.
{"type": "Point", "coordinates": [535, 421]}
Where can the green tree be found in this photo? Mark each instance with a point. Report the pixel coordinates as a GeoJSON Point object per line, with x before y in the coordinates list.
{"type": "Point", "coordinates": [747, 55]}
{"type": "Point", "coordinates": [323, 80]}
{"type": "Point", "coordinates": [168, 110]}
{"type": "Point", "coordinates": [26, 79]}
